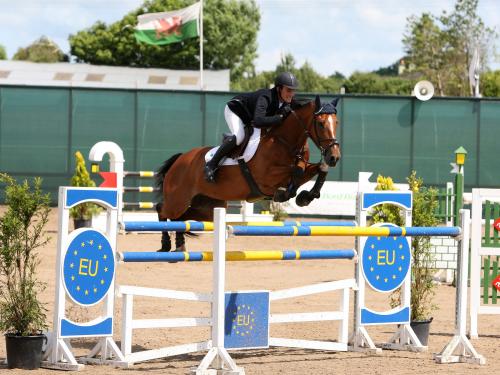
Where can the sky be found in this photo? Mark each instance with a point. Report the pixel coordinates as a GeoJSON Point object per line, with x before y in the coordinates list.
{"type": "Point", "coordinates": [332, 35]}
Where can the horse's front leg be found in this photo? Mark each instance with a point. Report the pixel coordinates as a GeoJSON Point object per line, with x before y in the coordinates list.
{"type": "Point", "coordinates": [306, 197]}
{"type": "Point", "coordinates": [297, 177]}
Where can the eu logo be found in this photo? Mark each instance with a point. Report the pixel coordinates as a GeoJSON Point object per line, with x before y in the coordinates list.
{"type": "Point", "coordinates": [386, 261]}
{"type": "Point", "coordinates": [88, 267]}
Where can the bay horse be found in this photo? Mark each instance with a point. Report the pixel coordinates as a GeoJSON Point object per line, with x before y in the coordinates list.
{"type": "Point", "coordinates": [280, 165]}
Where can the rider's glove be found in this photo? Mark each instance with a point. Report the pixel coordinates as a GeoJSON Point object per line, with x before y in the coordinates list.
{"type": "Point", "coordinates": [285, 110]}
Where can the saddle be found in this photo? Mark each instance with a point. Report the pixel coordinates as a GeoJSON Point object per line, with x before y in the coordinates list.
{"type": "Point", "coordinates": [239, 150]}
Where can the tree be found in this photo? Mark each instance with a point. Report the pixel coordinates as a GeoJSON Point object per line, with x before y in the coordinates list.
{"type": "Point", "coordinates": [424, 43]}
{"type": "Point", "coordinates": [230, 40]}
{"type": "Point", "coordinates": [371, 83]}
{"type": "Point", "coordinates": [3, 54]}
{"type": "Point", "coordinates": [441, 48]}
{"type": "Point", "coordinates": [490, 84]}
{"type": "Point", "coordinates": [42, 50]}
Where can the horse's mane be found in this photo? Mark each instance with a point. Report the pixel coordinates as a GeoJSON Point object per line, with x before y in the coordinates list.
{"type": "Point", "coordinates": [299, 103]}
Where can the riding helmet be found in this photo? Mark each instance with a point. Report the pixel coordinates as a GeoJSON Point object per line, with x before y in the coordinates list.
{"type": "Point", "coordinates": [286, 79]}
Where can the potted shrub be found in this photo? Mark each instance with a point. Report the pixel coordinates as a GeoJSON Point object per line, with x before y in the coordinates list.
{"type": "Point", "coordinates": [82, 213]}
{"type": "Point", "coordinates": [422, 271]}
{"type": "Point", "coordinates": [22, 315]}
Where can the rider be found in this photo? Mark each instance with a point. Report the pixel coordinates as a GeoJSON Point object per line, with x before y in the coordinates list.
{"type": "Point", "coordinates": [261, 109]}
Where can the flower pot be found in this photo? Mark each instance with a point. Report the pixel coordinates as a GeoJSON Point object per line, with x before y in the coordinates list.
{"type": "Point", "coordinates": [421, 329]}
{"type": "Point", "coordinates": [24, 352]}
{"type": "Point", "coordinates": [82, 223]}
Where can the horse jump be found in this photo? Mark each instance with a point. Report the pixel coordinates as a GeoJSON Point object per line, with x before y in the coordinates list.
{"type": "Point", "coordinates": [59, 354]}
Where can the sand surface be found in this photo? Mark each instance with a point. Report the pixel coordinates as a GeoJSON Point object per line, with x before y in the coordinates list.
{"type": "Point", "coordinates": [270, 275]}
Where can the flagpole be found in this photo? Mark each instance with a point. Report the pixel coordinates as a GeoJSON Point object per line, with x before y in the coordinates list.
{"type": "Point", "coordinates": [201, 45]}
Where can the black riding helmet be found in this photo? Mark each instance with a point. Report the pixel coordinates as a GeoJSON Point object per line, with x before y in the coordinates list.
{"type": "Point", "coordinates": [286, 79]}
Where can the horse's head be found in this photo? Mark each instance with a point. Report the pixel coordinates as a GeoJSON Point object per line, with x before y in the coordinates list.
{"type": "Point", "coordinates": [324, 130]}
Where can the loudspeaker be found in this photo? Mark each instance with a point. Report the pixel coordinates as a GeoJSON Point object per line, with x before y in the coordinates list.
{"type": "Point", "coordinates": [423, 90]}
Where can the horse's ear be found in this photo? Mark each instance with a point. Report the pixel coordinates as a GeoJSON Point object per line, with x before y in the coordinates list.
{"type": "Point", "coordinates": [317, 103]}
{"type": "Point", "coordinates": [335, 101]}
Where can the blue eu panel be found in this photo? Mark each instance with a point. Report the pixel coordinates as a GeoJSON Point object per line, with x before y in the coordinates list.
{"type": "Point", "coordinates": [386, 262]}
{"type": "Point", "coordinates": [372, 317]}
{"type": "Point", "coordinates": [75, 196]}
{"type": "Point", "coordinates": [72, 329]}
{"type": "Point", "coordinates": [246, 320]}
{"type": "Point", "coordinates": [372, 199]}
{"type": "Point", "coordinates": [88, 267]}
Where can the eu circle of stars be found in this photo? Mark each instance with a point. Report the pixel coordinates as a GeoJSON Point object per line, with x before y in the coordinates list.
{"type": "Point", "coordinates": [386, 261]}
{"type": "Point", "coordinates": [88, 267]}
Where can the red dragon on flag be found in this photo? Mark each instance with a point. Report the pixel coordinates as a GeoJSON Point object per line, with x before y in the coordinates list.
{"type": "Point", "coordinates": [167, 26]}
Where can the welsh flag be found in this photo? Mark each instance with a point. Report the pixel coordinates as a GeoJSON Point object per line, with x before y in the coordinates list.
{"type": "Point", "coordinates": [168, 27]}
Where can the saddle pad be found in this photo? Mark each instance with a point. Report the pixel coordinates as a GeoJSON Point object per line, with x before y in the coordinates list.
{"type": "Point", "coordinates": [248, 154]}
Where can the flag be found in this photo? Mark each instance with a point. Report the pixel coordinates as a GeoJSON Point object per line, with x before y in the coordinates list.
{"type": "Point", "coordinates": [168, 27]}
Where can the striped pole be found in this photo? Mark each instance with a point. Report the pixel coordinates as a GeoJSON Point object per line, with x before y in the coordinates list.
{"type": "Point", "coordinates": [148, 174]}
{"type": "Point", "coordinates": [240, 230]}
{"type": "Point", "coordinates": [140, 189]}
{"type": "Point", "coordinates": [168, 226]}
{"type": "Point", "coordinates": [138, 204]}
{"type": "Point", "coordinates": [180, 226]}
{"type": "Point", "coordinates": [207, 256]}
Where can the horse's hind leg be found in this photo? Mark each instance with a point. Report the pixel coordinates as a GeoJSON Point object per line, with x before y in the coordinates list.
{"type": "Point", "coordinates": [166, 245]}
{"type": "Point", "coordinates": [202, 209]}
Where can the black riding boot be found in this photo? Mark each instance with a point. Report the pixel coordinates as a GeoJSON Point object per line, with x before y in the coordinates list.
{"type": "Point", "coordinates": [228, 144]}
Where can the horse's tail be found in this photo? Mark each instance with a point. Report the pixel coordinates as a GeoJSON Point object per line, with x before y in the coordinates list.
{"type": "Point", "coordinates": [162, 171]}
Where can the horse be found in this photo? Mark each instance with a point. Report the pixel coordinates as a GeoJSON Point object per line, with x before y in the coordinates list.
{"type": "Point", "coordinates": [280, 165]}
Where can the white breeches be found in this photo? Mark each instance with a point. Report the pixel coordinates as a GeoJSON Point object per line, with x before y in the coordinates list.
{"type": "Point", "coordinates": [235, 125]}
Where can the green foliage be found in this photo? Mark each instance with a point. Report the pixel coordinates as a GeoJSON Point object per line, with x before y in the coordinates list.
{"type": "Point", "coordinates": [3, 54]}
{"type": "Point", "coordinates": [441, 47]}
{"type": "Point", "coordinates": [309, 79]}
{"type": "Point", "coordinates": [21, 233]}
{"type": "Point", "coordinates": [424, 206]}
{"type": "Point", "coordinates": [230, 39]}
{"type": "Point", "coordinates": [386, 213]}
{"type": "Point", "coordinates": [490, 84]}
{"type": "Point", "coordinates": [42, 50]}
{"type": "Point", "coordinates": [81, 178]}
{"type": "Point", "coordinates": [371, 83]}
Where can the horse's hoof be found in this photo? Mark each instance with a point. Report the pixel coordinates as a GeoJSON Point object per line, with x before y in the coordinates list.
{"type": "Point", "coordinates": [162, 250]}
{"type": "Point", "coordinates": [303, 199]}
{"type": "Point", "coordinates": [280, 195]}
{"type": "Point", "coordinates": [181, 248]}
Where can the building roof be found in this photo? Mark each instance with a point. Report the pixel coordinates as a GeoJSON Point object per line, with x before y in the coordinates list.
{"type": "Point", "coordinates": [85, 75]}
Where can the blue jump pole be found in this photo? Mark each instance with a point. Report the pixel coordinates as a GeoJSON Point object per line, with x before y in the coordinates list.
{"type": "Point", "coordinates": [240, 230]}
{"type": "Point", "coordinates": [200, 226]}
{"type": "Point", "coordinates": [207, 256]}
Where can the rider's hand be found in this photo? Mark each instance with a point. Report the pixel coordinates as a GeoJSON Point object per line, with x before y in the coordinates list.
{"type": "Point", "coordinates": [285, 110]}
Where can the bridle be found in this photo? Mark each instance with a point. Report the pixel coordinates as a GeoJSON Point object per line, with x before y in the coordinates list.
{"type": "Point", "coordinates": [318, 141]}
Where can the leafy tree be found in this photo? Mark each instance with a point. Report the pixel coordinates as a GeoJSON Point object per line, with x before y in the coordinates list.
{"type": "Point", "coordinates": [441, 47]}
{"type": "Point", "coordinates": [371, 83]}
{"type": "Point", "coordinates": [391, 70]}
{"type": "Point", "coordinates": [465, 30]}
{"type": "Point", "coordinates": [490, 84]}
{"type": "Point", "coordinates": [42, 50]}
{"type": "Point", "coordinates": [230, 39]}
{"type": "Point", "coordinates": [3, 54]}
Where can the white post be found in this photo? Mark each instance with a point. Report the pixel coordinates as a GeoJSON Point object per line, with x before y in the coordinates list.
{"type": "Point", "coordinates": [116, 164]}
{"type": "Point", "coordinates": [127, 316]}
{"type": "Point", "coordinates": [219, 277]}
{"type": "Point", "coordinates": [475, 261]}
{"type": "Point", "coordinates": [218, 355]}
{"type": "Point", "coordinates": [460, 343]}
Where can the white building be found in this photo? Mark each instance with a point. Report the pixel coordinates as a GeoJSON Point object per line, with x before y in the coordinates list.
{"type": "Point", "coordinates": [84, 75]}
